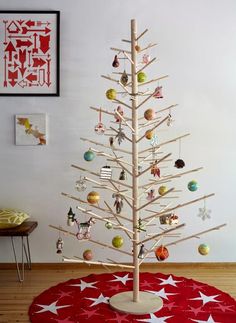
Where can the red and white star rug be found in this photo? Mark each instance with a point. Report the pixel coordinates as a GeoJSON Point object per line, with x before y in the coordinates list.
{"type": "Point", "coordinates": [86, 300]}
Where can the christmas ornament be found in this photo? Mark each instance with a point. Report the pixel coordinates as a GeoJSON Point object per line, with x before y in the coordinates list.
{"type": "Point", "coordinates": [146, 58]}
{"type": "Point", "coordinates": [70, 218]}
{"type": "Point", "coordinates": [111, 141]}
{"type": "Point", "coordinates": [141, 252]}
{"type": "Point", "coordinates": [158, 92]}
{"type": "Point", "coordinates": [93, 197]}
{"type": "Point", "coordinates": [106, 172]}
{"type": "Point", "coordinates": [192, 186]}
{"type": "Point", "coordinates": [169, 121]}
{"type": "Point", "coordinates": [117, 242]}
{"type": "Point", "coordinates": [141, 225]}
{"type": "Point", "coordinates": [151, 195]}
{"type": "Point", "coordinates": [137, 48]}
{"type": "Point", "coordinates": [111, 94]}
{"type": "Point", "coordinates": [204, 213]}
{"type": "Point", "coordinates": [122, 176]}
{"type": "Point", "coordinates": [173, 219]}
{"type": "Point", "coordinates": [179, 163]}
{"type": "Point", "coordinates": [161, 253]}
{"type": "Point", "coordinates": [149, 134]}
{"type": "Point", "coordinates": [203, 249]}
{"type": "Point", "coordinates": [84, 229]}
{"type": "Point", "coordinates": [124, 78]}
{"type": "Point", "coordinates": [115, 62]}
{"type": "Point", "coordinates": [59, 245]}
{"type": "Point", "coordinates": [100, 128]}
{"type": "Point", "coordinates": [89, 155]}
{"type": "Point", "coordinates": [80, 185]}
{"type": "Point", "coordinates": [108, 225]}
{"type": "Point", "coordinates": [155, 171]}
{"type": "Point", "coordinates": [88, 255]}
{"type": "Point", "coordinates": [162, 190]}
{"type": "Point", "coordinates": [120, 135]}
{"type": "Point", "coordinates": [118, 202]}
{"type": "Point", "coordinates": [121, 112]}
{"type": "Point", "coordinates": [141, 77]}
{"type": "Point", "coordinates": [149, 114]}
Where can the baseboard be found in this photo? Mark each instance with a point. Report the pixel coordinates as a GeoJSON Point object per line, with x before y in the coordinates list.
{"type": "Point", "coordinates": [157, 266]}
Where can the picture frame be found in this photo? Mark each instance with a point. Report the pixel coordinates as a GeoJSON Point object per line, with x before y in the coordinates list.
{"type": "Point", "coordinates": [30, 53]}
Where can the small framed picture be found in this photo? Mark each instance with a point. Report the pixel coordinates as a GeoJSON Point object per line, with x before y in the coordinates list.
{"type": "Point", "coordinates": [30, 129]}
{"type": "Point", "coordinates": [29, 53]}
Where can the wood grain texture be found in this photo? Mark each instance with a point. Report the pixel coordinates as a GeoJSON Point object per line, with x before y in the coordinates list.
{"type": "Point", "coordinates": [16, 297]}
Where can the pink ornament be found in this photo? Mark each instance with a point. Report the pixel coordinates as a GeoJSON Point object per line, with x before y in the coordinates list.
{"type": "Point", "coordinates": [100, 128]}
{"type": "Point", "coordinates": [120, 110]}
{"type": "Point", "coordinates": [158, 93]}
{"type": "Point", "coordinates": [146, 58]}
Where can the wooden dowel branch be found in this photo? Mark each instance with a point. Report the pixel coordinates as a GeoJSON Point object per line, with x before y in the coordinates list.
{"type": "Point", "coordinates": [123, 119]}
{"type": "Point", "coordinates": [153, 128]}
{"type": "Point", "coordinates": [154, 80]}
{"type": "Point", "coordinates": [96, 263]}
{"type": "Point", "coordinates": [146, 65]}
{"type": "Point", "coordinates": [120, 50]}
{"type": "Point", "coordinates": [107, 146]}
{"type": "Point", "coordinates": [156, 163]}
{"type": "Point", "coordinates": [149, 46]}
{"type": "Point", "coordinates": [180, 206]}
{"type": "Point", "coordinates": [196, 235]}
{"type": "Point", "coordinates": [155, 199]}
{"type": "Point", "coordinates": [122, 103]}
{"type": "Point", "coordinates": [161, 234]}
{"type": "Point", "coordinates": [90, 240]}
{"type": "Point", "coordinates": [142, 34]}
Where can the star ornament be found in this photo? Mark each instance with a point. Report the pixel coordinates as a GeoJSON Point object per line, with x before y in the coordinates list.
{"type": "Point", "coordinates": [123, 279]}
{"type": "Point", "coordinates": [210, 320]}
{"type": "Point", "coordinates": [169, 281]}
{"type": "Point", "coordinates": [51, 307]}
{"type": "Point", "coordinates": [100, 299]}
{"type": "Point", "coordinates": [205, 299]}
{"type": "Point", "coordinates": [154, 319]}
{"type": "Point", "coordinates": [83, 285]}
{"type": "Point", "coordinates": [204, 213]}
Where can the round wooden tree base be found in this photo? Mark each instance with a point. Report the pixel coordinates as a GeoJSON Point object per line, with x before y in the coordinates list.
{"type": "Point", "coordinates": [148, 303]}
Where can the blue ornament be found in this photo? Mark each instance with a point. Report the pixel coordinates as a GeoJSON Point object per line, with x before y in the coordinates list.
{"type": "Point", "coordinates": [89, 155]}
{"type": "Point", "coordinates": [193, 186]}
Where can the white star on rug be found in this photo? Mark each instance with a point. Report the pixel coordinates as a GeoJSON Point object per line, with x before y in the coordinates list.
{"type": "Point", "coordinates": [51, 308]}
{"type": "Point", "coordinates": [120, 318]}
{"type": "Point", "coordinates": [98, 300]}
{"type": "Point", "coordinates": [169, 281]}
{"type": "Point", "coordinates": [154, 319]}
{"type": "Point", "coordinates": [84, 285]}
{"type": "Point", "coordinates": [123, 279]}
{"type": "Point", "coordinates": [210, 320]}
{"type": "Point", "coordinates": [205, 299]}
{"type": "Point", "coordinates": [161, 293]}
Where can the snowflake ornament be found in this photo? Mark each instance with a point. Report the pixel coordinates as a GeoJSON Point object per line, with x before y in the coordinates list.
{"type": "Point", "coordinates": [204, 213]}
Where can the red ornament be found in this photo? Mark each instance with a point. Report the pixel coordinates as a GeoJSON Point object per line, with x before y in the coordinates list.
{"type": "Point", "coordinates": [161, 253]}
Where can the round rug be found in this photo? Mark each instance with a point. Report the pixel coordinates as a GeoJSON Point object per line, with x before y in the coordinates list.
{"type": "Point", "coordinates": [87, 300]}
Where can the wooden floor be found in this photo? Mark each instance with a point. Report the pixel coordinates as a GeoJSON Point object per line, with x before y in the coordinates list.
{"type": "Point", "coordinates": [16, 297]}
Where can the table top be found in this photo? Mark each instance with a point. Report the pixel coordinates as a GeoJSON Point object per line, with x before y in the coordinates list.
{"type": "Point", "coordinates": [21, 230]}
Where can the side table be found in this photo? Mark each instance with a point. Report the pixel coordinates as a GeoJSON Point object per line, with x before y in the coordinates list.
{"type": "Point", "coordinates": [23, 231]}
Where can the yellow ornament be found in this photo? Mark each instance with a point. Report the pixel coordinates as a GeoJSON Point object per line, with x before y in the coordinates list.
{"type": "Point", "coordinates": [203, 249]}
{"type": "Point", "coordinates": [117, 242]}
{"type": "Point", "coordinates": [93, 197]}
{"type": "Point", "coordinates": [111, 94]}
{"type": "Point", "coordinates": [162, 190]}
{"type": "Point", "coordinates": [149, 134]}
{"type": "Point", "coordinates": [149, 114]}
{"type": "Point", "coordinates": [141, 77]}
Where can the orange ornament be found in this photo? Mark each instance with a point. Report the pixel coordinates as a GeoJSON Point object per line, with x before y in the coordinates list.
{"type": "Point", "coordinates": [149, 134]}
{"type": "Point", "coordinates": [149, 114]}
{"type": "Point", "coordinates": [161, 253]}
{"type": "Point", "coordinates": [93, 197]}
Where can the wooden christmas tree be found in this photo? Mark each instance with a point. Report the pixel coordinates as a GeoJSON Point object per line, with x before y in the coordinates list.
{"type": "Point", "coordinates": [135, 121]}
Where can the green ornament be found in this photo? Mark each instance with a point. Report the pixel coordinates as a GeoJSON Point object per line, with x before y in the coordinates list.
{"type": "Point", "coordinates": [108, 225]}
{"type": "Point", "coordinates": [192, 186]}
{"type": "Point", "coordinates": [141, 77]}
{"type": "Point", "coordinates": [89, 155]}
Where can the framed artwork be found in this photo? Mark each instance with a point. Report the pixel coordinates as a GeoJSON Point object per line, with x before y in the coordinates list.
{"type": "Point", "coordinates": [30, 129]}
{"type": "Point", "coordinates": [29, 53]}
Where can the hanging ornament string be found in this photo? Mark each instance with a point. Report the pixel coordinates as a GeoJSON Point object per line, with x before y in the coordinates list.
{"type": "Point", "coordinates": [179, 163]}
{"type": "Point", "coordinates": [179, 148]}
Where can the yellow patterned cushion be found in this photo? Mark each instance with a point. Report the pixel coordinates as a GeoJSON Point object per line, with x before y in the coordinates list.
{"type": "Point", "coordinates": [10, 218]}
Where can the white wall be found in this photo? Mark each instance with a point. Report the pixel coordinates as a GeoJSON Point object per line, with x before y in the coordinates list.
{"type": "Point", "coordinates": [196, 48]}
